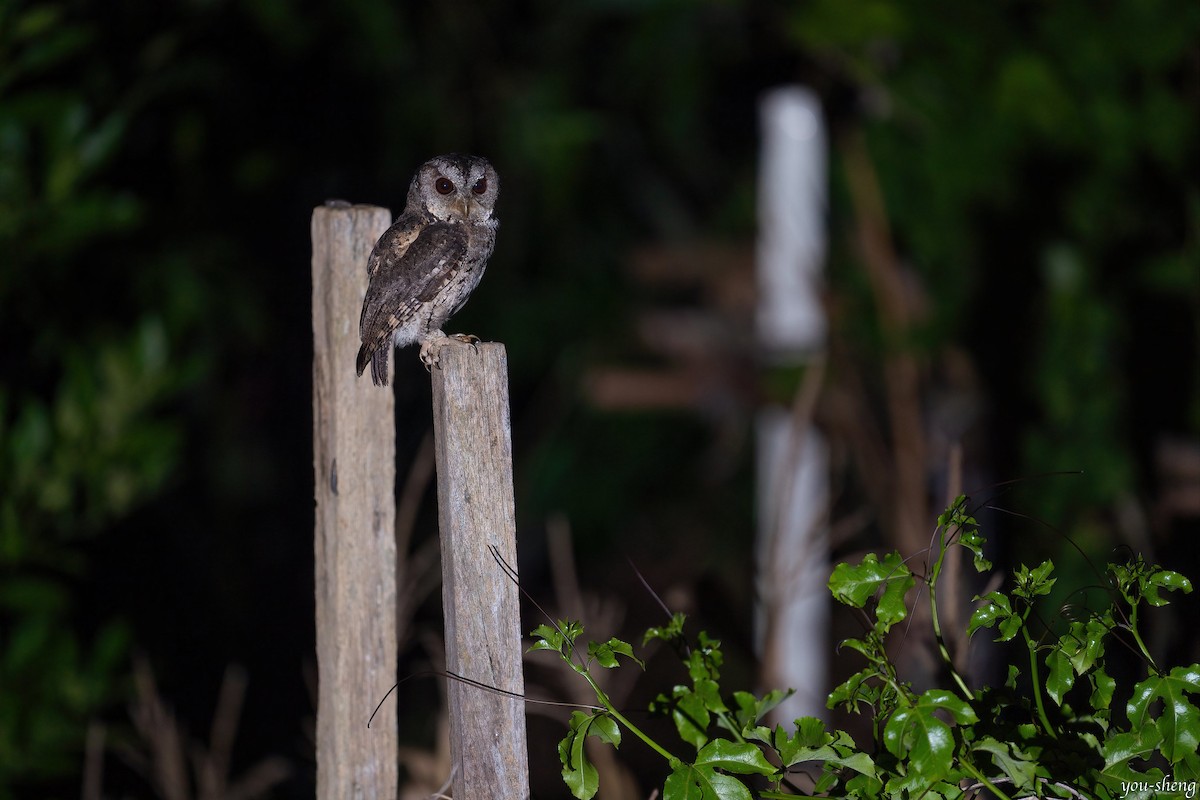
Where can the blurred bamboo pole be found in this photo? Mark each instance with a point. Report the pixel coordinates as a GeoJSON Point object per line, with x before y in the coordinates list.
{"type": "Point", "coordinates": [792, 618]}
{"type": "Point", "coordinates": [354, 462]}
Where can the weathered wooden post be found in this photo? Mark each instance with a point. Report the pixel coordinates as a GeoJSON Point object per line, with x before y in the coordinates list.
{"type": "Point", "coordinates": [473, 443]}
{"type": "Point", "coordinates": [354, 464]}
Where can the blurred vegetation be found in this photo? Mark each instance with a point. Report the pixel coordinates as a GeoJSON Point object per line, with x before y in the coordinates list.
{"type": "Point", "coordinates": [158, 164]}
{"type": "Point", "coordinates": [84, 439]}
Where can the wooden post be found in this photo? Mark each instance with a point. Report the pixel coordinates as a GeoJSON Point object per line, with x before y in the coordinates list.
{"type": "Point", "coordinates": [354, 462]}
{"type": "Point", "coordinates": [473, 445]}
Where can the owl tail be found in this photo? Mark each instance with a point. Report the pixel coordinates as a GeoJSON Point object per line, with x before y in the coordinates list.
{"type": "Point", "coordinates": [379, 363]}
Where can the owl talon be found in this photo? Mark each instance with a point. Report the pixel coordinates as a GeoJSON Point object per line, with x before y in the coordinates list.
{"type": "Point", "coordinates": [430, 351]}
{"type": "Point", "coordinates": [432, 345]}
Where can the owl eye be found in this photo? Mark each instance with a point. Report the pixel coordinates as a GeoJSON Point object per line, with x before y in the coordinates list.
{"type": "Point", "coordinates": [480, 186]}
{"type": "Point", "coordinates": [443, 186]}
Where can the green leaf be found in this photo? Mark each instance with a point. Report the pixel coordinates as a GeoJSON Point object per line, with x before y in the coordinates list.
{"type": "Point", "coordinates": [854, 586]}
{"type": "Point", "coordinates": [546, 644]}
{"type": "Point", "coordinates": [1102, 689]}
{"type": "Point", "coordinates": [996, 607]}
{"type": "Point", "coordinates": [854, 690]}
{"type": "Point", "coordinates": [1010, 627]}
{"type": "Point", "coordinates": [1179, 722]}
{"type": "Point", "coordinates": [970, 539]}
{"type": "Point", "coordinates": [605, 729]}
{"type": "Point", "coordinates": [549, 637]}
{"type": "Point", "coordinates": [606, 654]}
{"type": "Point", "coordinates": [744, 719]}
{"type": "Point", "coordinates": [583, 781]}
{"type": "Point", "coordinates": [1034, 582]}
{"type": "Point", "coordinates": [709, 693]}
{"type": "Point", "coordinates": [916, 735]}
{"type": "Point", "coordinates": [1121, 748]}
{"type": "Point", "coordinates": [1139, 743]}
{"type": "Point", "coordinates": [1020, 769]}
{"type": "Point", "coordinates": [1126, 783]}
{"type": "Point", "coordinates": [810, 732]}
{"type": "Point", "coordinates": [747, 707]}
{"type": "Point", "coordinates": [892, 607]}
{"type": "Point", "coordinates": [867, 648]}
{"type": "Point", "coordinates": [1040, 576]}
{"type": "Point", "coordinates": [1188, 769]}
{"type": "Point", "coordinates": [1061, 677]}
{"type": "Point", "coordinates": [956, 518]}
{"type": "Point", "coordinates": [769, 701]}
{"type": "Point", "coordinates": [761, 733]}
{"type": "Point", "coordinates": [1089, 639]}
{"type": "Point", "coordinates": [940, 699]}
{"type": "Point", "coordinates": [688, 782]}
{"type": "Point", "coordinates": [1125, 576]}
{"type": "Point", "coordinates": [705, 660]}
{"type": "Point", "coordinates": [812, 743]}
{"type": "Point", "coordinates": [908, 782]}
{"type": "Point", "coordinates": [670, 632]}
{"type": "Point", "coordinates": [859, 762]}
{"type": "Point", "coordinates": [688, 712]}
{"type": "Point", "coordinates": [864, 786]}
{"type": "Point", "coordinates": [1013, 673]}
{"type": "Point", "coordinates": [1164, 579]}
{"type": "Point", "coordinates": [579, 774]}
{"type": "Point", "coordinates": [953, 513]}
{"type": "Point", "coordinates": [1137, 580]}
{"type": "Point", "coordinates": [741, 758]}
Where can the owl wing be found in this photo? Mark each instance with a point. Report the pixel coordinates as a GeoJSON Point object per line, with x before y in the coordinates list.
{"type": "Point", "coordinates": [407, 268]}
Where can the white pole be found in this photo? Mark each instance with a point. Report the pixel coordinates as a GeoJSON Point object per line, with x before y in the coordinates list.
{"type": "Point", "coordinates": [793, 494]}
{"type": "Point", "coordinates": [791, 213]}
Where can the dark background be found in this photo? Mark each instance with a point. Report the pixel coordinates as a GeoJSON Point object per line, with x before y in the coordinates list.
{"type": "Point", "coordinates": [159, 163]}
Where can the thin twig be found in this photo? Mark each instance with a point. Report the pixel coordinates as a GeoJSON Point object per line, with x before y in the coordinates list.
{"type": "Point", "coordinates": [440, 794]}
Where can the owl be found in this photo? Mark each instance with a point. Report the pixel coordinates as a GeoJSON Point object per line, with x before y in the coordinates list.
{"type": "Point", "coordinates": [426, 265]}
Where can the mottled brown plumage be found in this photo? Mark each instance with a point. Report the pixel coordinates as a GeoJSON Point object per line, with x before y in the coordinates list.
{"type": "Point", "coordinates": [427, 264]}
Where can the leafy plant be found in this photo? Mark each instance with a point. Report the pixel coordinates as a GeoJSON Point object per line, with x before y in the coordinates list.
{"type": "Point", "coordinates": [1058, 737]}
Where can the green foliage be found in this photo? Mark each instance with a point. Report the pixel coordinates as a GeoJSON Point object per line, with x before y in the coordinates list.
{"type": "Point", "coordinates": [83, 438]}
{"type": "Point", "coordinates": [1029, 157]}
{"type": "Point", "coordinates": [1050, 740]}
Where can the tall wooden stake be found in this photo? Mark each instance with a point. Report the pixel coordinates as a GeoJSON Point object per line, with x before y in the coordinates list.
{"type": "Point", "coordinates": [354, 462]}
{"type": "Point", "coordinates": [473, 444]}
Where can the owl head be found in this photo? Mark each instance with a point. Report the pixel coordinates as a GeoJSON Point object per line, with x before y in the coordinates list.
{"type": "Point", "coordinates": [456, 188]}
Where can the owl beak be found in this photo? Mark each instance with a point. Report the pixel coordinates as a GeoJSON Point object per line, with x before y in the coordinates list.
{"type": "Point", "coordinates": [463, 205]}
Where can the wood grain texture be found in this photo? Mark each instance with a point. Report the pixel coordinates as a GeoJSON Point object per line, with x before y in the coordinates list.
{"type": "Point", "coordinates": [473, 444]}
{"type": "Point", "coordinates": [354, 466]}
